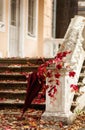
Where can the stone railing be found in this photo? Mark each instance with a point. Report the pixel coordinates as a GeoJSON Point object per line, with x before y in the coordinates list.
{"type": "Point", "coordinates": [73, 41]}
{"type": "Point", "coordinates": [51, 46]}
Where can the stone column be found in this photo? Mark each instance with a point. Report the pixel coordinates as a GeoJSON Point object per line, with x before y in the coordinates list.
{"type": "Point", "coordinates": [58, 108]}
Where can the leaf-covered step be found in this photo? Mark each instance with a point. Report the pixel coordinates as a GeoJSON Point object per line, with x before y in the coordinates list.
{"type": "Point", "coordinates": [83, 69]}
{"type": "Point", "coordinates": [7, 84]}
{"type": "Point", "coordinates": [13, 91]}
{"type": "Point", "coordinates": [12, 82]}
{"type": "Point", "coordinates": [35, 104]}
{"type": "Point", "coordinates": [10, 103]}
{"type": "Point", "coordinates": [23, 60]}
{"type": "Point", "coordinates": [15, 103]}
{"type": "Point", "coordinates": [74, 105]}
{"type": "Point", "coordinates": [80, 101]}
{"type": "Point", "coordinates": [80, 84]}
{"type": "Point", "coordinates": [84, 63]}
{"type": "Point", "coordinates": [12, 76]}
{"type": "Point", "coordinates": [20, 96]}
{"type": "Point", "coordinates": [18, 68]}
{"type": "Point", "coordinates": [81, 77]}
{"type": "Point", "coordinates": [82, 74]}
{"type": "Point", "coordinates": [77, 94]}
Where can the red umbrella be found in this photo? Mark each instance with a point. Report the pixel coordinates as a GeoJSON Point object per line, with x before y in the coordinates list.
{"type": "Point", "coordinates": [33, 87]}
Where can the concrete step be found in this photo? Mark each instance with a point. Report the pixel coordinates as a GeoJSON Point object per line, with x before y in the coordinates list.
{"type": "Point", "coordinates": [7, 84]}
{"type": "Point", "coordinates": [12, 76]}
{"type": "Point", "coordinates": [26, 60]}
{"type": "Point", "coordinates": [80, 101]}
{"type": "Point", "coordinates": [18, 68]}
{"type": "Point", "coordinates": [16, 103]}
{"type": "Point", "coordinates": [16, 91]}
{"type": "Point", "coordinates": [20, 94]}
{"type": "Point", "coordinates": [39, 104]}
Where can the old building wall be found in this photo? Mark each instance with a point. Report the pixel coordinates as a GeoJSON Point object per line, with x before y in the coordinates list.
{"type": "Point", "coordinates": [47, 18]}
{"type": "Point", "coordinates": [4, 33]}
{"type": "Point", "coordinates": [33, 47]}
{"type": "Point", "coordinates": [30, 44]}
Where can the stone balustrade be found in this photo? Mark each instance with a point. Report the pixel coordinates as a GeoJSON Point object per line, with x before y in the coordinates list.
{"type": "Point", "coordinates": [59, 109]}
{"type": "Point", "coordinates": [51, 46]}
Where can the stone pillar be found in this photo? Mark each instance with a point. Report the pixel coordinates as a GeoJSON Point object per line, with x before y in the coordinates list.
{"type": "Point", "coordinates": [58, 107]}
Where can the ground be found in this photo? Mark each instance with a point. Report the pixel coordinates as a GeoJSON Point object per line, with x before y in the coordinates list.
{"type": "Point", "coordinates": [10, 120]}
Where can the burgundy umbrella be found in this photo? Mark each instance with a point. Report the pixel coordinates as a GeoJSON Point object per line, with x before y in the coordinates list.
{"type": "Point", "coordinates": [33, 87]}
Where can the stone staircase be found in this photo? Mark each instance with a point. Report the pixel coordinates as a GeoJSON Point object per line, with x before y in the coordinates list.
{"type": "Point", "coordinates": [13, 83]}
{"type": "Point", "coordinates": [79, 97]}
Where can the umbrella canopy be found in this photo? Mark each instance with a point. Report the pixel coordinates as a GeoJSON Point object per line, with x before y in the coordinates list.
{"type": "Point", "coordinates": [33, 87]}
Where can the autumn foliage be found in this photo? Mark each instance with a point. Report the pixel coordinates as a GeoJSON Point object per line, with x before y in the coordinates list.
{"type": "Point", "coordinates": [58, 62]}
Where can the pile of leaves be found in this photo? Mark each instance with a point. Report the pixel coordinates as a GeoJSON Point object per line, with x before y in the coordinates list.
{"type": "Point", "coordinates": [10, 120]}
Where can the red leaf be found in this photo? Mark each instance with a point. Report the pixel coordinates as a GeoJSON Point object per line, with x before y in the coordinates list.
{"type": "Point", "coordinates": [60, 124]}
{"type": "Point", "coordinates": [74, 87]}
{"type": "Point", "coordinates": [57, 82]}
{"type": "Point", "coordinates": [57, 75]}
{"type": "Point", "coordinates": [49, 74]}
{"type": "Point", "coordinates": [72, 73]}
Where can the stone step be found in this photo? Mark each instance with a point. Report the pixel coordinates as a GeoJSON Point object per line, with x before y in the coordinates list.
{"type": "Point", "coordinates": [15, 103]}
{"type": "Point", "coordinates": [20, 103]}
{"type": "Point", "coordinates": [73, 106]}
{"type": "Point", "coordinates": [12, 76]}
{"type": "Point", "coordinates": [77, 94]}
{"type": "Point", "coordinates": [80, 84]}
{"type": "Point", "coordinates": [82, 74]}
{"type": "Point", "coordinates": [18, 68]}
{"type": "Point", "coordinates": [81, 77]}
{"type": "Point", "coordinates": [13, 94]}
{"type": "Point", "coordinates": [20, 96]}
{"type": "Point", "coordinates": [13, 83]}
{"type": "Point", "coordinates": [20, 92]}
{"type": "Point", "coordinates": [16, 93]}
{"type": "Point", "coordinates": [7, 84]}
{"type": "Point", "coordinates": [83, 69]}
{"type": "Point", "coordinates": [80, 101]}
{"type": "Point", "coordinates": [25, 60]}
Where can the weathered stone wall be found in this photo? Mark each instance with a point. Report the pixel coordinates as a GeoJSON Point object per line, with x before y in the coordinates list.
{"type": "Point", "coordinates": [47, 18]}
